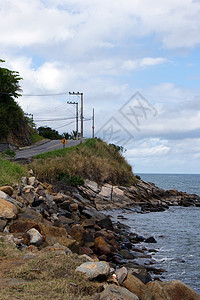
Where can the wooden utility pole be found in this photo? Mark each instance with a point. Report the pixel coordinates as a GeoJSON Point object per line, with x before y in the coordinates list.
{"type": "Point", "coordinates": [75, 103]}
{"type": "Point", "coordinates": [80, 94]}
{"type": "Point", "coordinates": [93, 124]}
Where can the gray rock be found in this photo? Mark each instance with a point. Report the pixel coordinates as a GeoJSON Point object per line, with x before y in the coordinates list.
{"type": "Point", "coordinates": [31, 180]}
{"type": "Point", "coordinates": [121, 274]}
{"type": "Point", "coordinates": [114, 292]}
{"type": "Point", "coordinates": [92, 185]}
{"type": "Point", "coordinates": [126, 254]}
{"type": "Point", "coordinates": [94, 269]}
{"type": "Point", "coordinates": [35, 237]}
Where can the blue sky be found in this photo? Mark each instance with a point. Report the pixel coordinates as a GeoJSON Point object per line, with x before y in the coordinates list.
{"type": "Point", "coordinates": [110, 50]}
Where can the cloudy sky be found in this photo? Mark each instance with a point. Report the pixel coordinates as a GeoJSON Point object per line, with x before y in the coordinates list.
{"type": "Point", "coordinates": [136, 61]}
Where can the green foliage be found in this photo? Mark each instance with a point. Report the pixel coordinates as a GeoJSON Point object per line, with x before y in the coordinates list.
{"type": "Point", "coordinates": [9, 153]}
{"type": "Point", "coordinates": [49, 133]}
{"type": "Point", "coordinates": [35, 137]}
{"type": "Point", "coordinates": [10, 172]}
{"type": "Point", "coordinates": [11, 115]}
{"type": "Point", "coordinates": [70, 180]}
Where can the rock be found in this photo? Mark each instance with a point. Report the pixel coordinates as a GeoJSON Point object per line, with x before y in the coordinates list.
{"type": "Point", "coordinates": [85, 250]}
{"type": "Point", "coordinates": [89, 222]}
{"type": "Point", "coordinates": [6, 197]}
{"type": "Point", "coordinates": [31, 180]}
{"type": "Point", "coordinates": [114, 292]}
{"type": "Point", "coordinates": [141, 274]}
{"type": "Point", "coordinates": [55, 235]}
{"type": "Point", "coordinates": [35, 237]}
{"type": "Point", "coordinates": [106, 223]}
{"type": "Point", "coordinates": [85, 256]}
{"type": "Point", "coordinates": [2, 224]}
{"type": "Point", "coordinates": [7, 209]}
{"type": "Point", "coordinates": [92, 185]}
{"type": "Point", "coordinates": [126, 254]}
{"type": "Point", "coordinates": [169, 290]}
{"type": "Point", "coordinates": [121, 274]}
{"type": "Point", "coordinates": [65, 220]}
{"type": "Point", "coordinates": [31, 248]}
{"type": "Point", "coordinates": [93, 213]}
{"type": "Point", "coordinates": [22, 226]}
{"type": "Point", "coordinates": [150, 240]}
{"type": "Point", "coordinates": [94, 269]}
{"type": "Point", "coordinates": [59, 198]}
{"type": "Point", "coordinates": [74, 206]}
{"type": "Point", "coordinates": [102, 246]}
{"type": "Point", "coordinates": [77, 232]}
{"type": "Point", "coordinates": [24, 180]}
{"type": "Point", "coordinates": [7, 189]}
{"type": "Point", "coordinates": [134, 285]}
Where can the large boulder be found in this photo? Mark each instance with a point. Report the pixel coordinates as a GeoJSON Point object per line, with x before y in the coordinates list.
{"type": "Point", "coordinates": [94, 269]}
{"type": "Point", "coordinates": [7, 210]}
{"type": "Point", "coordinates": [77, 232]}
{"type": "Point", "coordinates": [134, 285]}
{"type": "Point", "coordinates": [114, 292]}
{"type": "Point", "coordinates": [102, 246]}
{"type": "Point", "coordinates": [169, 290]}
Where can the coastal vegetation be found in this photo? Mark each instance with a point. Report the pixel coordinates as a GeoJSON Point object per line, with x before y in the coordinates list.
{"type": "Point", "coordinates": [94, 160]}
{"type": "Point", "coordinates": [11, 172]}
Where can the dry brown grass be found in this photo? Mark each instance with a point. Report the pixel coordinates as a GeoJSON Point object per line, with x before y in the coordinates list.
{"type": "Point", "coordinates": [94, 160]}
{"type": "Point", "coordinates": [50, 276]}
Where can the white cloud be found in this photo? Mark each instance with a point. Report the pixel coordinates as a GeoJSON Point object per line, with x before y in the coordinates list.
{"type": "Point", "coordinates": [142, 63]}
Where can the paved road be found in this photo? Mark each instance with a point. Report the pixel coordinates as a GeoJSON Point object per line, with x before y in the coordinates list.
{"type": "Point", "coordinates": [42, 148]}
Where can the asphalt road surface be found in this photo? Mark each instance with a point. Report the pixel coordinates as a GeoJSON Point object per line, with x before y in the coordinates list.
{"type": "Point", "coordinates": [42, 148]}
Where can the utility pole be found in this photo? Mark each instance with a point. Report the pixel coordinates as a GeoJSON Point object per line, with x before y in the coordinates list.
{"type": "Point", "coordinates": [75, 103]}
{"type": "Point", "coordinates": [79, 94]}
{"type": "Point", "coordinates": [93, 124]}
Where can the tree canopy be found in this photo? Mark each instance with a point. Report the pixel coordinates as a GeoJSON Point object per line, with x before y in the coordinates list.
{"type": "Point", "coordinates": [11, 114]}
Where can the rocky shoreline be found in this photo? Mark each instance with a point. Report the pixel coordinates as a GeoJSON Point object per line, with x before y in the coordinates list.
{"type": "Point", "coordinates": [40, 216]}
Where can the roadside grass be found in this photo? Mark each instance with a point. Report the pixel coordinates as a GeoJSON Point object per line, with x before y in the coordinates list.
{"type": "Point", "coordinates": [94, 160]}
{"type": "Point", "coordinates": [35, 137]}
{"type": "Point", "coordinates": [11, 172]}
{"type": "Point", "coordinates": [50, 276]}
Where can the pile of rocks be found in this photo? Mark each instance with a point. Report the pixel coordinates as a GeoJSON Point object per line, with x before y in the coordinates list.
{"type": "Point", "coordinates": [144, 195]}
{"type": "Point", "coordinates": [122, 285]}
{"type": "Point", "coordinates": [36, 218]}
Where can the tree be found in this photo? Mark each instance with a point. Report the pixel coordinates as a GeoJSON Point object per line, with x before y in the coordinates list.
{"type": "Point", "coordinates": [11, 114]}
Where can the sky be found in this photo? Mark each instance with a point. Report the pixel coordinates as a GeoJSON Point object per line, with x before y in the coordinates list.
{"type": "Point", "coordinates": [137, 63]}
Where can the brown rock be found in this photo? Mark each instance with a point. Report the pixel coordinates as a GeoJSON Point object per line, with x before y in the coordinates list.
{"type": "Point", "coordinates": [102, 246]}
{"type": "Point", "coordinates": [85, 250]}
{"type": "Point", "coordinates": [7, 209]}
{"type": "Point", "coordinates": [134, 285]}
{"type": "Point", "coordinates": [89, 222]}
{"type": "Point", "coordinates": [7, 189]}
{"type": "Point", "coordinates": [23, 226]}
{"type": "Point", "coordinates": [114, 292]}
{"type": "Point", "coordinates": [77, 232]}
{"type": "Point", "coordinates": [74, 206]}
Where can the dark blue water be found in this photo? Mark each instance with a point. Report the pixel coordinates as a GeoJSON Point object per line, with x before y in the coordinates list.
{"type": "Point", "coordinates": [189, 183]}
{"type": "Point", "coordinates": [176, 230]}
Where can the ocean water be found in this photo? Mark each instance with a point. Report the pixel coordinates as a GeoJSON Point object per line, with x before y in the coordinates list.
{"type": "Point", "coordinates": [177, 230]}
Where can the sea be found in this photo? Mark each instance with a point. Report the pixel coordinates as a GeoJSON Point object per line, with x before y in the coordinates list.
{"type": "Point", "coordinates": [176, 230]}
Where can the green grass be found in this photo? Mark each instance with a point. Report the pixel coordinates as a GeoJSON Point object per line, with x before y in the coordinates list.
{"type": "Point", "coordinates": [35, 137]}
{"type": "Point", "coordinates": [94, 160]}
{"type": "Point", "coordinates": [11, 172]}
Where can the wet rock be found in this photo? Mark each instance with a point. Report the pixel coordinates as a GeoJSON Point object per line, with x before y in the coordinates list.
{"type": "Point", "coordinates": [94, 269]}
{"type": "Point", "coordinates": [126, 254]}
{"type": "Point", "coordinates": [102, 246]}
{"type": "Point", "coordinates": [7, 190]}
{"type": "Point", "coordinates": [121, 274]}
{"type": "Point", "coordinates": [114, 292]}
{"type": "Point", "coordinates": [150, 240]}
{"type": "Point", "coordinates": [134, 285]}
{"type": "Point", "coordinates": [35, 237]}
{"type": "Point", "coordinates": [7, 209]}
{"type": "Point", "coordinates": [141, 274]}
{"type": "Point", "coordinates": [106, 223]}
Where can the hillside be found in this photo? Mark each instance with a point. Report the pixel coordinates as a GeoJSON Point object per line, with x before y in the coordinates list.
{"type": "Point", "coordinates": [94, 160]}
